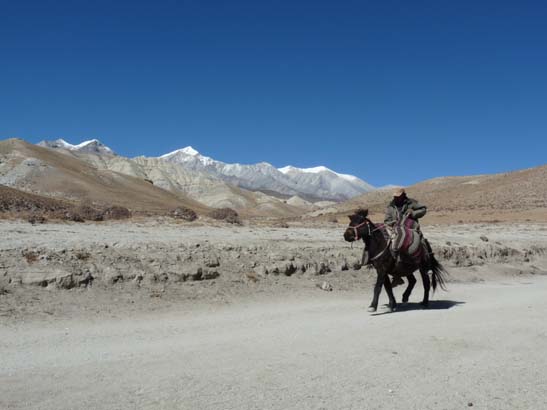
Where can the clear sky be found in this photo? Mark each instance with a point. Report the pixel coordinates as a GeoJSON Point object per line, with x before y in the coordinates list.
{"type": "Point", "coordinates": [390, 91]}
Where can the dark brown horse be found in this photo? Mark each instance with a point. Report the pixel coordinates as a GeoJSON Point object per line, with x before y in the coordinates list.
{"type": "Point", "coordinates": [377, 243]}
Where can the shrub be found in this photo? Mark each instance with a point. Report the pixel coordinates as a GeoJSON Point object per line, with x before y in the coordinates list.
{"type": "Point", "coordinates": [89, 214]}
{"type": "Point", "coordinates": [184, 213]}
{"type": "Point", "coordinates": [117, 212]}
{"type": "Point", "coordinates": [226, 214]}
{"type": "Point", "coordinates": [72, 215]}
{"type": "Point", "coordinates": [36, 218]}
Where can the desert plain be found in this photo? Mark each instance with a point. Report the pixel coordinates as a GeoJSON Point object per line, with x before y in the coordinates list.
{"type": "Point", "coordinates": [159, 314]}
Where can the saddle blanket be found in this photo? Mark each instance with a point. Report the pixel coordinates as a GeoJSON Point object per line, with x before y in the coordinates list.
{"type": "Point", "coordinates": [407, 239]}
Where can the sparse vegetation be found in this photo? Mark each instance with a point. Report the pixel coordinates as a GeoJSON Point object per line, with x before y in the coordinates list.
{"type": "Point", "coordinates": [82, 255]}
{"type": "Point", "coordinates": [226, 214]}
{"type": "Point", "coordinates": [36, 218]}
{"type": "Point", "coordinates": [117, 212]}
{"type": "Point", "coordinates": [72, 216]}
{"type": "Point", "coordinates": [184, 213]}
{"type": "Point", "coordinates": [89, 213]}
{"type": "Point", "coordinates": [30, 256]}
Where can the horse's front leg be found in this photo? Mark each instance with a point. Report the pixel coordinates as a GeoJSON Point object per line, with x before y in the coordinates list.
{"type": "Point", "coordinates": [377, 289]}
{"type": "Point", "coordinates": [389, 291]}
{"type": "Point", "coordinates": [411, 282]}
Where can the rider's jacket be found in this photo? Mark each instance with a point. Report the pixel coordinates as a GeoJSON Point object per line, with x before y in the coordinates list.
{"type": "Point", "coordinates": [396, 213]}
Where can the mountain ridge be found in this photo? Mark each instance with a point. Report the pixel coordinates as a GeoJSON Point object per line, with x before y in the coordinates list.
{"type": "Point", "coordinates": [317, 183]}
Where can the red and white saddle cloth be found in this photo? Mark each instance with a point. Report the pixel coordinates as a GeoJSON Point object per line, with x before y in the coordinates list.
{"type": "Point", "coordinates": [407, 239]}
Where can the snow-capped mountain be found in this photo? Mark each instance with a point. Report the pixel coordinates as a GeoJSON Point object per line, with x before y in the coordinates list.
{"type": "Point", "coordinates": [325, 179]}
{"type": "Point", "coordinates": [316, 183]}
{"type": "Point", "coordinates": [93, 146]}
{"type": "Point", "coordinates": [312, 184]}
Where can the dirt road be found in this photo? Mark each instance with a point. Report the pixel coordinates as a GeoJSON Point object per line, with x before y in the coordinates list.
{"type": "Point", "coordinates": [481, 345]}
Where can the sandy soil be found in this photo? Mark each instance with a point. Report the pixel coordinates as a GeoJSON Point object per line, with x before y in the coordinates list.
{"type": "Point", "coordinates": [479, 344]}
{"type": "Point", "coordinates": [260, 335]}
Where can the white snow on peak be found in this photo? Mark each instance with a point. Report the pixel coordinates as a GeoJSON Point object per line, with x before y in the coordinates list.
{"type": "Point", "coordinates": [94, 141]}
{"type": "Point", "coordinates": [320, 181]}
{"type": "Point", "coordinates": [187, 150]}
{"type": "Point", "coordinates": [62, 142]}
{"type": "Point", "coordinates": [84, 143]}
{"type": "Point", "coordinates": [317, 170]}
{"type": "Point", "coordinates": [286, 169]}
{"type": "Point", "coordinates": [93, 145]}
{"type": "Point", "coordinates": [190, 151]}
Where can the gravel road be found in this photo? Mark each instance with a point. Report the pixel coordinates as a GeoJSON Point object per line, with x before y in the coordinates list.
{"type": "Point", "coordinates": [480, 345]}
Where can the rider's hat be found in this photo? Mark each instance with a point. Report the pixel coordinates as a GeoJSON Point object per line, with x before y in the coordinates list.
{"type": "Point", "coordinates": [398, 191]}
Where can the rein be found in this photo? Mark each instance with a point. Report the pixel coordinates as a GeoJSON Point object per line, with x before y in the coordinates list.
{"type": "Point", "coordinates": [370, 231]}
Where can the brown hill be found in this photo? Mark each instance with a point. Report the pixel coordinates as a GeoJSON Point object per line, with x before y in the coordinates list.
{"type": "Point", "coordinates": [198, 186]}
{"type": "Point", "coordinates": [519, 195]}
{"type": "Point", "coordinates": [49, 173]}
{"type": "Point", "coordinates": [15, 201]}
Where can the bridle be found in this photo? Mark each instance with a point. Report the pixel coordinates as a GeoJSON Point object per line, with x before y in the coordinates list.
{"type": "Point", "coordinates": [357, 227]}
{"type": "Point", "coordinates": [370, 231]}
{"type": "Point", "coordinates": [367, 223]}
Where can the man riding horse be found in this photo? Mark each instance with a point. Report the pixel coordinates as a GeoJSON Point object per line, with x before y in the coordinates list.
{"type": "Point", "coordinates": [401, 212]}
{"type": "Point", "coordinates": [397, 248]}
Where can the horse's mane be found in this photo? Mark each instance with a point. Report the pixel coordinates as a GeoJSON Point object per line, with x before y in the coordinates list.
{"type": "Point", "coordinates": [362, 212]}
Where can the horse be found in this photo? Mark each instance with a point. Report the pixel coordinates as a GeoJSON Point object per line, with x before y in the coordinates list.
{"type": "Point", "coordinates": [377, 242]}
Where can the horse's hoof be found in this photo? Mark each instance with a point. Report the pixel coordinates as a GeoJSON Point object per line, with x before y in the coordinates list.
{"type": "Point", "coordinates": [405, 300]}
{"type": "Point", "coordinates": [392, 309]}
{"type": "Point", "coordinates": [371, 309]}
{"type": "Point", "coordinates": [424, 305]}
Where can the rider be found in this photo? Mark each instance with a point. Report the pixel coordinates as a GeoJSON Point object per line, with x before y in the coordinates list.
{"type": "Point", "coordinates": [399, 208]}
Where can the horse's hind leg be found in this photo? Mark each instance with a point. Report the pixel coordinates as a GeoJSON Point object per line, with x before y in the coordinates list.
{"type": "Point", "coordinates": [411, 282]}
{"type": "Point", "coordinates": [427, 286]}
{"type": "Point", "coordinates": [389, 291]}
{"type": "Point", "coordinates": [377, 289]}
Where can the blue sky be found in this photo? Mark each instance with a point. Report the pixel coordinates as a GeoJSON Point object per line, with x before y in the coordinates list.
{"type": "Point", "coordinates": [390, 91]}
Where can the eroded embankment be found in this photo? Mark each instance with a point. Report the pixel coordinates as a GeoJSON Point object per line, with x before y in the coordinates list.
{"type": "Point", "coordinates": [68, 255]}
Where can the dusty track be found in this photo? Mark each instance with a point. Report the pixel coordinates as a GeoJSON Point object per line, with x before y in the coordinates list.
{"type": "Point", "coordinates": [484, 344]}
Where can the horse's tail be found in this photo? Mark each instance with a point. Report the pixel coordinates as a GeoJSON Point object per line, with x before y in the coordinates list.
{"type": "Point", "coordinates": [439, 274]}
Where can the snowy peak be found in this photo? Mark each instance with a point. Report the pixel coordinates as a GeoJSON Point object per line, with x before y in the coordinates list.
{"type": "Point", "coordinates": [186, 151]}
{"type": "Point", "coordinates": [320, 183]}
{"type": "Point", "coordinates": [188, 155]}
{"type": "Point", "coordinates": [58, 143]}
{"type": "Point", "coordinates": [93, 146]}
{"type": "Point", "coordinates": [289, 169]}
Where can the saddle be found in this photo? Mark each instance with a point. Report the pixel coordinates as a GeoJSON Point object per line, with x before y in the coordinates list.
{"type": "Point", "coordinates": [408, 240]}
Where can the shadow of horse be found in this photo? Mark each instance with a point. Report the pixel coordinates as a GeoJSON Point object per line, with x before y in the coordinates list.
{"type": "Point", "coordinates": [433, 305]}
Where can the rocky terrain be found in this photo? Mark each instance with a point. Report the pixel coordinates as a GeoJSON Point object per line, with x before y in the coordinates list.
{"type": "Point", "coordinates": [161, 254]}
{"type": "Point", "coordinates": [231, 316]}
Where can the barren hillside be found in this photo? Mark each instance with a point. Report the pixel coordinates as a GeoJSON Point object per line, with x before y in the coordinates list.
{"type": "Point", "coordinates": [519, 195]}
{"type": "Point", "coordinates": [47, 172]}
{"type": "Point", "coordinates": [198, 186]}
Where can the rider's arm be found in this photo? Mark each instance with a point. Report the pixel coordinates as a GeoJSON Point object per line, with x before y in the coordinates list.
{"type": "Point", "coordinates": [390, 217]}
{"type": "Point", "coordinates": [418, 210]}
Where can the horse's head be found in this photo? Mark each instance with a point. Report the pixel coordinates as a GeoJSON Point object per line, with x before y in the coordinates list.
{"type": "Point", "coordinates": [358, 226]}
